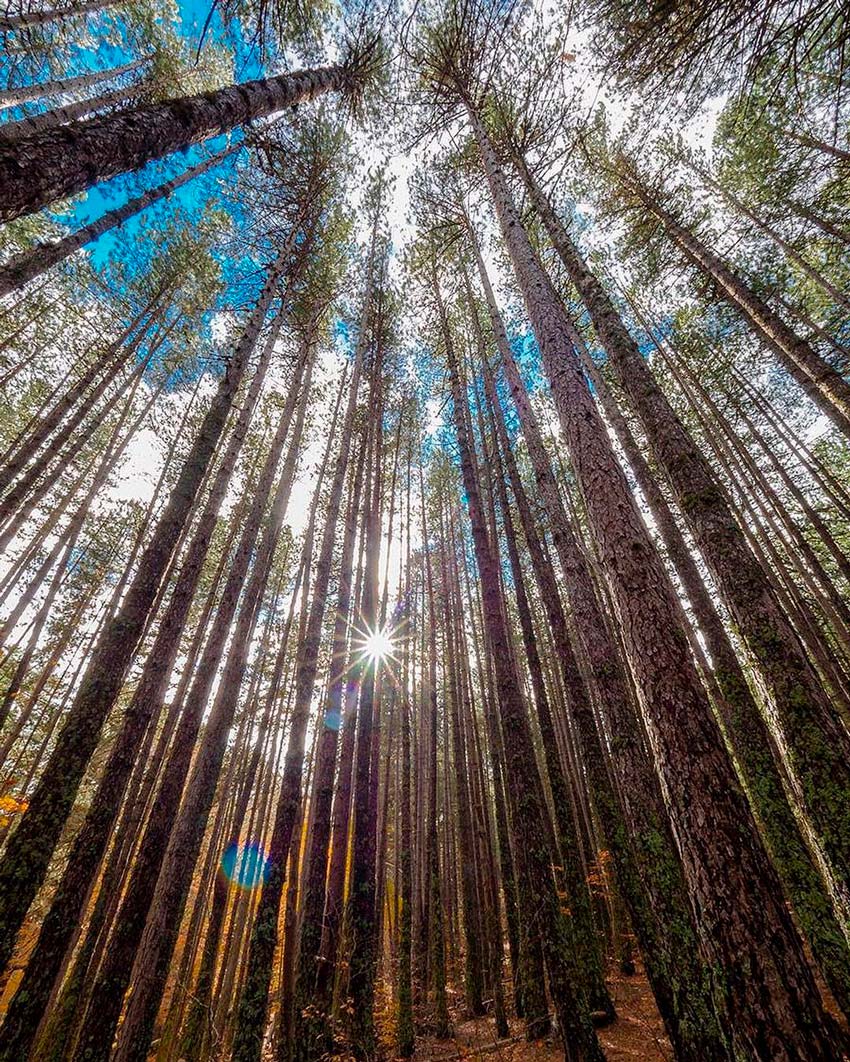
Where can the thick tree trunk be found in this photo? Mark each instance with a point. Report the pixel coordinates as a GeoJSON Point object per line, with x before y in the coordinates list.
{"type": "Point", "coordinates": [775, 1009]}
{"type": "Point", "coordinates": [150, 967]}
{"type": "Point", "coordinates": [754, 746]}
{"type": "Point", "coordinates": [29, 850]}
{"type": "Point", "coordinates": [38, 170]}
{"type": "Point", "coordinates": [537, 886]}
{"type": "Point", "coordinates": [812, 737]}
{"type": "Point", "coordinates": [30, 264]}
{"type": "Point", "coordinates": [647, 866]}
{"type": "Point", "coordinates": [24, 1012]}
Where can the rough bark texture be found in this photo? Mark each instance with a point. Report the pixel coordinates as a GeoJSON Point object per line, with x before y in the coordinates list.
{"type": "Point", "coordinates": [774, 1005]}
{"type": "Point", "coordinates": [253, 1001]}
{"type": "Point", "coordinates": [810, 733]}
{"type": "Point", "coordinates": [150, 969]}
{"type": "Point", "coordinates": [537, 886]}
{"type": "Point", "coordinates": [25, 1010]}
{"type": "Point", "coordinates": [40, 169]}
{"type": "Point", "coordinates": [746, 729]}
{"type": "Point", "coordinates": [30, 264]}
{"type": "Point", "coordinates": [30, 848]}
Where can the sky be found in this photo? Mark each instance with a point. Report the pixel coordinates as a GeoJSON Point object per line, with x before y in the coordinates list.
{"type": "Point", "coordinates": [106, 40]}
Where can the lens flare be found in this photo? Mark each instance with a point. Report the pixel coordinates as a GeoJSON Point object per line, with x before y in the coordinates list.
{"type": "Point", "coordinates": [378, 646]}
{"type": "Point", "coordinates": [246, 865]}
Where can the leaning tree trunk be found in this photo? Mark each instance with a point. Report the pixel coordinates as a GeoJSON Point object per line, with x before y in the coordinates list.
{"type": "Point", "coordinates": [25, 448]}
{"type": "Point", "coordinates": [815, 742]}
{"type": "Point", "coordinates": [26, 1008]}
{"type": "Point", "coordinates": [774, 1004]}
{"type": "Point", "coordinates": [151, 962]}
{"type": "Point", "coordinates": [748, 732]}
{"type": "Point", "coordinates": [38, 170]}
{"type": "Point", "coordinates": [538, 889]}
{"type": "Point", "coordinates": [28, 265]}
{"type": "Point", "coordinates": [646, 863]}
{"type": "Point", "coordinates": [826, 387]}
{"type": "Point", "coordinates": [38, 18]}
{"type": "Point", "coordinates": [838, 297]}
{"type": "Point", "coordinates": [253, 1001]}
{"type": "Point", "coordinates": [14, 97]}
{"type": "Point", "coordinates": [35, 124]}
{"type": "Point", "coordinates": [29, 850]}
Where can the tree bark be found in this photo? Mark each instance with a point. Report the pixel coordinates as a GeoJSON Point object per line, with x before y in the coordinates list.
{"type": "Point", "coordinates": [826, 387]}
{"type": "Point", "coordinates": [537, 886]}
{"type": "Point", "coordinates": [55, 117]}
{"type": "Point", "coordinates": [812, 737]}
{"type": "Point", "coordinates": [253, 1001]}
{"type": "Point", "coordinates": [29, 850]}
{"type": "Point", "coordinates": [15, 97]}
{"type": "Point", "coordinates": [150, 966]}
{"type": "Point", "coordinates": [38, 18]}
{"type": "Point", "coordinates": [25, 1010]}
{"type": "Point", "coordinates": [38, 170]}
{"type": "Point", "coordinates": [34, 262]}
{"type": "Point", "coordinates": [773, 1001]}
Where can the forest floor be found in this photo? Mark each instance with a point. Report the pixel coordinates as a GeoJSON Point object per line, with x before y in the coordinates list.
{"type": "Point", "coordinates": [637, 1034]}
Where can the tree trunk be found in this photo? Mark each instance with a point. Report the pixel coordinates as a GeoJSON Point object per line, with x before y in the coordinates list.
{"type": "Point", "coordinates": [537, 886]}
{"type": "Point", "coordinates": [61, 162]}
{"type": "Point", "coordinates": [313, 906]}
{"type": "Point", "coordinates": [38, 18]}
{"type": "Point", "coordinates": [648, 868]}
{"type": "Point", "coordinates": [754, 746]}
{"type": "Point", "coordinates": [54, 118]}
{"type": "Point", "coordinates": [150, 966]}
{"type": "Point", "coordinates": [838, 297]}
{"type": "Point", "coordinates": [29, 850]}
{"type": "Point", "coordinates": [433, 943]}
{"type": "Point", "coordinates": [775, 1009]}
{"type": "Point", "coordinates": [15, 97]}
{"type": "Point", "coordinates": [813, 739]}
{"type": "Point", "coordinates": [24, 1012]}
{"type": "Point", "coordinates": [28, 265]}
{"type": "Point", "coordinates": [362, 887]}
{"type": "Point", "coordinates": [253, 1001]}
{"type": "Point", "coordinates": [826, 388]}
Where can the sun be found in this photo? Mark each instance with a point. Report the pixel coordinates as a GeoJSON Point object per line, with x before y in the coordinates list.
{"type": "Point", "coordinates": [378, 646]}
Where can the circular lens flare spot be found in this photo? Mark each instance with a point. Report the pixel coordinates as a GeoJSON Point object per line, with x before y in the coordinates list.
{"type": "Point", "coordinates": [245, 865]}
